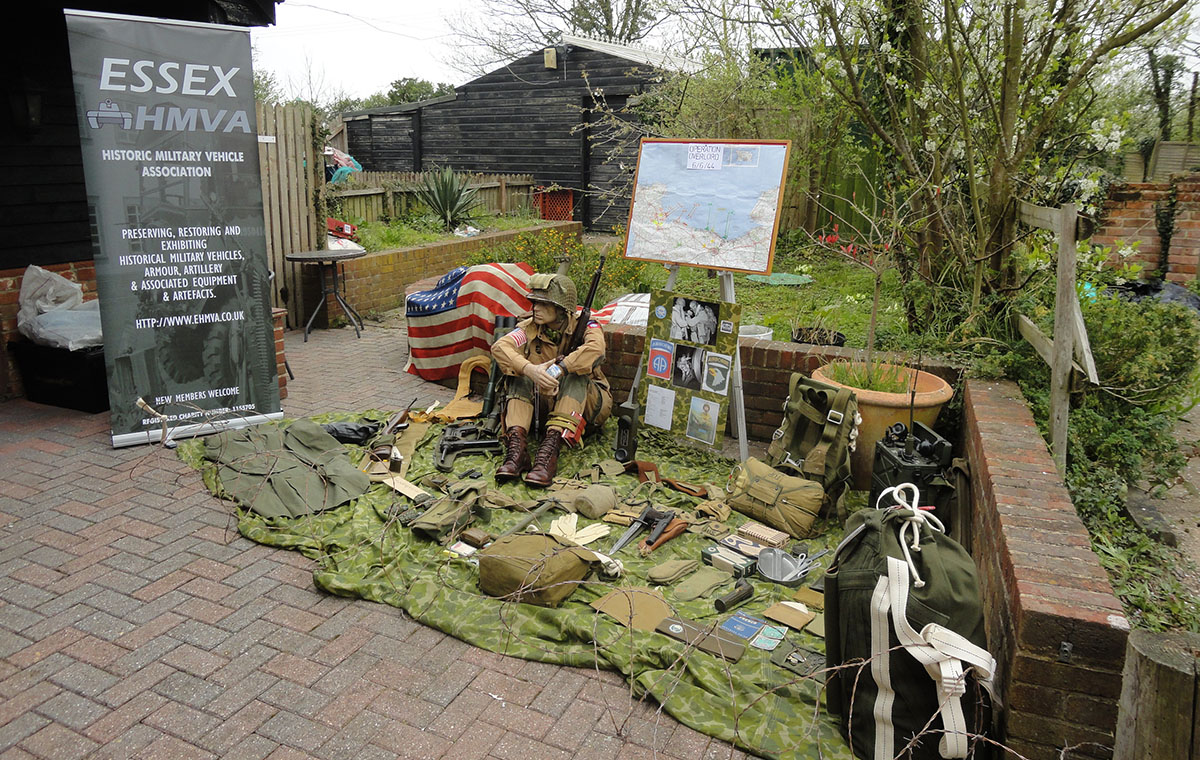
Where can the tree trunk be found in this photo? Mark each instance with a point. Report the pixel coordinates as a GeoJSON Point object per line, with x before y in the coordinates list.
{"type": "Point", "coordinates": [1157, 717]}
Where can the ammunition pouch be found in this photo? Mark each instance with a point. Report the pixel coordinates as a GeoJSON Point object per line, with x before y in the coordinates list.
{"type": "Point", "coordinates": [452, 513]}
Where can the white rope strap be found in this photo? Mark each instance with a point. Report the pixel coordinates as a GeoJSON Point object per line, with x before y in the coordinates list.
{"type": "Point", "coordinates": [943, 654]}
{"type": "Point", "coordinates": [908, 496]}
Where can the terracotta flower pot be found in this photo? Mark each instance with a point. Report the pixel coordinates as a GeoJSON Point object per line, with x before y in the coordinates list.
{"type": "Point", "coordinates": [881, 410]}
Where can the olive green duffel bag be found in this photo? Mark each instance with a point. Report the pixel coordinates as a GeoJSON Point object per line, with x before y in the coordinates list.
{"type": "Point", "coordinates": [533, 568]}
{"type": "Point", "coordinates": [759, 491]}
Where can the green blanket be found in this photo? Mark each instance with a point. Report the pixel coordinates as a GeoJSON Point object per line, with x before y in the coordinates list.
{"type": "Point", "coordinates": [752, 703]}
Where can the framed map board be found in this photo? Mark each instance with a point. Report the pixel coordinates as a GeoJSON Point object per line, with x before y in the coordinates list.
{"type": "Point", "coordinates": [707, 203]}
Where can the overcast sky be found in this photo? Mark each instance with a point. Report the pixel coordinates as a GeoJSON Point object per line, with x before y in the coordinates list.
{"type": "Point", "coordinates": [359, 46]}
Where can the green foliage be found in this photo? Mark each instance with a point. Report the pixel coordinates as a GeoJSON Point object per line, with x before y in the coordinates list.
{"type": "Point", "coordinates": [412, 90]}
{"type": "Point", "coordinates": [1145, 352]}
{"type": "Point", "coordinates": [448, 197]}
{"type": "Point", "coordinates": [1146, 355]}
{"type": "Point", "coordinates": [381, 237]}
{"type": "Point", "coordinates": [419, 226]}
{"type": "Point", "coordinates": [885, 378]}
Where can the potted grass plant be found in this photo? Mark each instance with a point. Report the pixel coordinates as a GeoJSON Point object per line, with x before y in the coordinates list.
{"type": "Point", "coordinates": [817, 330]}
{"type": "Point", "coordinates": [886, 393]}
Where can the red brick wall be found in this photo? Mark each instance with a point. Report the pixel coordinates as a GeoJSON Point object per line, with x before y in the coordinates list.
{"type": "Point", "coordinates": [277, 318]}
{"type": "Point", "coordinates": [1043, 587]}
{"type": "Point", "coordinates": [376, 282]}
{"type": "Point", "coordinates": [767, 366]}
{"type": "Point", "coordinates": [1128, 217]}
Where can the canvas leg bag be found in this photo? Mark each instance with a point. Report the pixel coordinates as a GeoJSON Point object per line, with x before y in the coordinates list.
{"type": "Point", "coordinates": [534, 568]}
{"type": "Point", "coordinates": [784, 502]}
{"type": "Point", "coordinates": [905, 632]}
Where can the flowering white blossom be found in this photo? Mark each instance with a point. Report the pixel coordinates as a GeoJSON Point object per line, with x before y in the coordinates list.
{"type": "Point", "coordinates": [1106, 135]}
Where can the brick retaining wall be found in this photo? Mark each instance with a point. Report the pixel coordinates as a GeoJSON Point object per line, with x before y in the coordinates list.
{"type": "Point", "coordinates": [278, 316]}
{"type": "Point", "coordinates": [1128, 216]}
{"type": "Point", "coordinates": [376, 282]}
{"type": "Point", "coordinates": [766, 367]}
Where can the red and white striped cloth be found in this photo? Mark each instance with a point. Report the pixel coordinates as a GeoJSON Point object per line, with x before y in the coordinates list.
{"type": "Point", "coordinates": [454, 321]}
{"type": "Point", "coordinates": [631, 309]}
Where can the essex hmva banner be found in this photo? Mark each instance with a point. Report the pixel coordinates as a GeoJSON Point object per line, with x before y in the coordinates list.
{"type": "Point", "coordinates": [170, 160]}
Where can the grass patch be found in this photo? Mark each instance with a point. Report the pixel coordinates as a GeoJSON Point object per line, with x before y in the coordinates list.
{"type": "Point", "coordinates": [838, 298]}
{"type": "Point", "coordinates": [425, 229]}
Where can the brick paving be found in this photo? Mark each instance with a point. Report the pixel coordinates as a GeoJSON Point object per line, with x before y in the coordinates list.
{"type": "Point", "coordinates": [136, 622]}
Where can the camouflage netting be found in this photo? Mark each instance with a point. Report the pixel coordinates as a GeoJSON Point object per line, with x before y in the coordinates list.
{"type": "Point", "coordinates": [361, 551]}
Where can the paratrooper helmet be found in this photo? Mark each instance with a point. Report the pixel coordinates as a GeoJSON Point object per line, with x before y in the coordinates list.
{"type": "Point", "coordinates": [557, 289]}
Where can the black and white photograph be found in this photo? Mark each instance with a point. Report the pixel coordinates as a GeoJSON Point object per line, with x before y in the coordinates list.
{"type": "Point", "coordinates": [694, 321]}
{"type": "Point", "coordinates": [689, 364]}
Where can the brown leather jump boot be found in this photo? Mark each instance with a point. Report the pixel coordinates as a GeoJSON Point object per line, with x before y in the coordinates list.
{"type": "Point", "coordinates": [545, 463]}
{"type": "Point", "coordinates": [516, 458]}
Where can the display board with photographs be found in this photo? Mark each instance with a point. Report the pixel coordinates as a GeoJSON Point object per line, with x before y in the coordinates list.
{"type": "Point", "coordinates": [688, 365]}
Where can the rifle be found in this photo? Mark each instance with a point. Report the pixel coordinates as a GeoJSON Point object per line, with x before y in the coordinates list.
{"type": "Point", "coordinates": [399, 421]}
{"type": "Point", "coordinates": [585, 315]}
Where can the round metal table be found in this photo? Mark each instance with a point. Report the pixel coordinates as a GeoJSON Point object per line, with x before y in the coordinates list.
{"type": "Point", "coordinates": [330, 261]}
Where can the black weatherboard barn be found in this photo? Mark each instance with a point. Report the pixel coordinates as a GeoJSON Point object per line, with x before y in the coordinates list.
{"type": "Point", "coordinates": [536, 115]}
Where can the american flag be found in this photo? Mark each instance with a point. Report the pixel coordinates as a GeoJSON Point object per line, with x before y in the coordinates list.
{"type": "Point", "coordinates": [455, 320]}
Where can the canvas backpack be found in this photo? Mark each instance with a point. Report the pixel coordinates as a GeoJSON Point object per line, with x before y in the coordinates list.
{"type": "Point", "coordinates": [904, 640]}
{"type": "Point", "coordinates": [817, 433]}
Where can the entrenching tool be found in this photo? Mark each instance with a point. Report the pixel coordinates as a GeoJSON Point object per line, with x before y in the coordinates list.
{"type": "Point", "coordinates": [650, 519]}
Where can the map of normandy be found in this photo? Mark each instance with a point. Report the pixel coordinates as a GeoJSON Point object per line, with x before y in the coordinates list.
{"type": "Point", "coordinates": [713, 213]}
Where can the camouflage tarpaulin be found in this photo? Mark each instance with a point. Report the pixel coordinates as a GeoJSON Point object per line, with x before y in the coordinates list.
{"type": "Point", "coordinates": [360, 552]}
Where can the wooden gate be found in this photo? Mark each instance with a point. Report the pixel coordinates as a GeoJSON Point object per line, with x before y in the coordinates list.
{"type": "Point", "coordinates": [292, 170]}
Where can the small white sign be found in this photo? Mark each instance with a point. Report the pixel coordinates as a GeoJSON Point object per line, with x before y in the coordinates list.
{"type": "Point", "coordinates": [266, 138]}
{"type": "Point", "coordinates": [660, 406]}
{"type": "Point", "coordinates": [704, 156]}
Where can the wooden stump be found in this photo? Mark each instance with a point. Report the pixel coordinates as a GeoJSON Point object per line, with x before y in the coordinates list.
{"type": "Point", "coordinates": [1157, 715]}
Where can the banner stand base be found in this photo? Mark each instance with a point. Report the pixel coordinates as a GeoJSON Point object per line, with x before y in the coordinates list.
{"type": "Point", "coordinates": [191, 431]}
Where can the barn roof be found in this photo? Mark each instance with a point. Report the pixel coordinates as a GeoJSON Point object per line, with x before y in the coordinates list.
{"type": "Point", "coordinates": [636, 53]}
{"type": "Point", "coordinates": [633, 53]}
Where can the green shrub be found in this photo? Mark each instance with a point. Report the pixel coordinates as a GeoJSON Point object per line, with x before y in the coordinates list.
{"type": "Point", "coordinates": [1119, 434]}
{"type": "Point", "coordinates": [542, 251]}
{"type": "Point", "coordinates": [1145, 352]}
{"type": "Point", "coordinates": [448, 197]}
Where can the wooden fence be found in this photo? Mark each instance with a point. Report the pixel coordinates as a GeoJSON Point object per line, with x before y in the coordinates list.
{"type": "Point", "coordinates": [371, 196]}
{"type": "Point", "coordinates": [292, 177]}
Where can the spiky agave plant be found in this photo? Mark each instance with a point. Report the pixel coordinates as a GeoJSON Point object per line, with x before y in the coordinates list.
{"type": "Point", "coordinates": [449, 197]}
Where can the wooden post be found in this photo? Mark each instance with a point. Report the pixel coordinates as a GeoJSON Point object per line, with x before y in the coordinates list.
{"type": "Point", "coordinates": [503, 194]}
{"type": "Point", "coordinates": [1156, 717]}
{"type": "Point", "coordinates": [1064, 337]}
